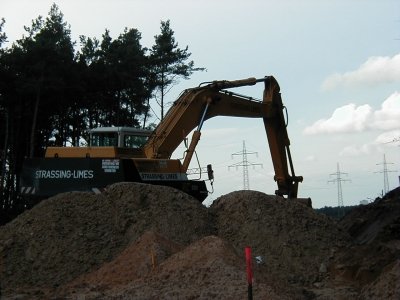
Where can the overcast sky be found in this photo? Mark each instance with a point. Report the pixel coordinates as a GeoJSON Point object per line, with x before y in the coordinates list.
{"type": "Point", "coordinates": [337, 63]}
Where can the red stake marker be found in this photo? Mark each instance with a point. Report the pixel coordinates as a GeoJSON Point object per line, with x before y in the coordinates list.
{"type": "Point", "coordinates": [249, 272]}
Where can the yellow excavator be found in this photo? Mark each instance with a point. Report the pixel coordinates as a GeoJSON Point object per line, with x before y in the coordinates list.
{"type": "Point", "coordinates": [117, 154]}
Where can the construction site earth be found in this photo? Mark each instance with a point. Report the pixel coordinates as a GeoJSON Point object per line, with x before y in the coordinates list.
{"type": "Point", "coordinates": [139, 241]}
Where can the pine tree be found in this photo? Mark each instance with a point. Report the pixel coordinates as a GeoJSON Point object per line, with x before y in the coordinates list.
{"type": "Point", "coordinates": [169, 62]}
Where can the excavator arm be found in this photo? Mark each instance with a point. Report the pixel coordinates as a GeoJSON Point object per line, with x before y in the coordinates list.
{"type": "Point", "coordinates": [199, 104]}
{"type": "Point", "coordinates": [278, 140]}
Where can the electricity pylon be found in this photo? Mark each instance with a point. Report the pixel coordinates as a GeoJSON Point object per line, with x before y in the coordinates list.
{"type": "Point", "coordinates": [385, 172]}
{"type": "Point", "coordinates": [338, 180]}
{"type": "Point", "coordinates": [245, 165]}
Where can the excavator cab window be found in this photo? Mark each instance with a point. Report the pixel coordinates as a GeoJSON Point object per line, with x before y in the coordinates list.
{"type": "Point", "coordinates": [134, 141]}
{"type": "Point", "coordinates": [121, 137]}
{"type": "Point", "coordinates": [104, 139]}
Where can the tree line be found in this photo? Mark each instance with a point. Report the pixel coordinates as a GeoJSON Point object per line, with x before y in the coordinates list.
{"type": "Point", "coordinates": [336, 212]}
{"type": "Point", "coordinates": [52, 90]}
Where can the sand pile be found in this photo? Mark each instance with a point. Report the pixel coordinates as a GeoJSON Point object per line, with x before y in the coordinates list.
{"type": "Point", "coordinates": [74, 233]}
{"type": "Point", "coordinates": [371, 262]}
{"type": "Point", "coordinates": [295, 244]}
{"type": "Point", "coordinates": [138, 241]}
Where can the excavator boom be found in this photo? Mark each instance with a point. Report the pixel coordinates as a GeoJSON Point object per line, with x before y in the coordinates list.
{"type": "Point", "coordinates": [199, 104]}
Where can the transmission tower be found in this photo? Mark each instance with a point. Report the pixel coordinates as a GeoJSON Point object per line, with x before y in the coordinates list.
{"type": "Point", "coordinates": [338, 180]}
{"type": "Point", "coordinates": [245, 165]}
{"type": "Point", "coordinates": [385, 172]}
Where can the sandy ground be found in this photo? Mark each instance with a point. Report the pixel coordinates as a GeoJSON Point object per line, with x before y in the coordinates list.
{"type": "Point", "coordinates": [138, 241]}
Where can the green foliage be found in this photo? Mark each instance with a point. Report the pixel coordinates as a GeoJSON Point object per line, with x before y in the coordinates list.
{"type": "Point", "coordinates": [169, 62]}
{"type": "Point", "coordinates": [3, 36]}
{"type": "Point", "coordinates": [45, 63]}
{"type": "Point", "coordinates": [117, 79]}
{"type": "Point", "coordinates": [51, 92]}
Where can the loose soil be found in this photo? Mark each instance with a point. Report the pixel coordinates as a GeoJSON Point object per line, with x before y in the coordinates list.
{"type": "Point", "coordinates": [138, 241]}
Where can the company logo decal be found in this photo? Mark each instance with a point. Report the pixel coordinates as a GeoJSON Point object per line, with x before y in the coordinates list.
{"type": "Point", "coordinates": [163, 176]}
{"type": "Point", "coordinates": [110, 165]}
{"type": "Point", "coordinates": [64, 174]}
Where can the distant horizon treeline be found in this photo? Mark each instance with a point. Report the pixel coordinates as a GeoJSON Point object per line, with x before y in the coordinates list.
{"type": "Point", "coordinates": [335, 212]}
{"type": "Point", "coordinates": [52, 91]}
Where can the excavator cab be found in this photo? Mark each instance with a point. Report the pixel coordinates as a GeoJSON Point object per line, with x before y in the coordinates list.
{"type": "Point", "coordinates": [122, 137]}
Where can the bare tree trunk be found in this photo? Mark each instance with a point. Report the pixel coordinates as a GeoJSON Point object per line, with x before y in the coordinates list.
{"type": "Point", "coordinates": [35, 116]}
{"type": "Point", "coordinates": [34, 121]}
{"type": "Point", "coordinates": [146, 113]}
{"type": "Point", "coordinates": [5, 150]}
{"type": "Point", "coordinates": [162, 96]}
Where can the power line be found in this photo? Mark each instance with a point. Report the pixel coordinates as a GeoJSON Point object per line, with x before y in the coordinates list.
{"type": "Point", "coordinates": [338, 180]}
{"type": "Point", "coordinates": [245, 165]}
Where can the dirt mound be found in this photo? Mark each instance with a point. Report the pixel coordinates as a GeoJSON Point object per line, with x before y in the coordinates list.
{"type": "Point", "coordinates": [135, 261]}
{"type": "Point", "coordinates": [138, 241]}
{"type": "Point", "coordinates": [371, 259]}
{"type": "Point", "coordinates": [206, 269]}
{"type": "Point", "coordinates": [386, 286]}
{"type": "Point", "coordinates": [295, 244]}
{"type": "Point", "coordinates": [378, 221]}
{"type": "Point", "coordinates": [74, 233]}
